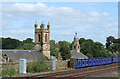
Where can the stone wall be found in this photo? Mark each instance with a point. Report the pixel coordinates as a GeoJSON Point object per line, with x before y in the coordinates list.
{"type": "Point", "coordinates": [59, 64]}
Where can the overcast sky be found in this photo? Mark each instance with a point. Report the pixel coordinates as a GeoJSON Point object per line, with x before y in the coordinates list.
{"type": "Point", "coordinates": [90, 20]}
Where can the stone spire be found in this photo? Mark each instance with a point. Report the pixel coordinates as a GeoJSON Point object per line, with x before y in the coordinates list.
{"type": "Point", "coordinates": [36, 25]}
{"type": "Point", "coordinates": [48, 23]}
{"type": "Point", "coordinates": [48, 26]}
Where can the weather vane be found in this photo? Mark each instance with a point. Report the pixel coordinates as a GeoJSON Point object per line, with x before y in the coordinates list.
{"type": "Point", "coordinates": [76, 34]}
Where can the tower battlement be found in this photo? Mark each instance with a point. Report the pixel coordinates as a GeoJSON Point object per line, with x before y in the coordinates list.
{"type": "Point", "coordinates": [42, 37]}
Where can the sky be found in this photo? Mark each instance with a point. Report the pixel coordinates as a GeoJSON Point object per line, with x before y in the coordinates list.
{"type": "Point", "coordinates": [91, 20]}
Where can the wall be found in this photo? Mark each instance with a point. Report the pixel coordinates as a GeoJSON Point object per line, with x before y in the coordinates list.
{"type": "Point", "coordinates": [59, 64]}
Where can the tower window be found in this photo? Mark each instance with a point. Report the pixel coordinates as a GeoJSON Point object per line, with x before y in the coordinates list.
{"type": "Point", "coordinates": [39, 37]}
{"type": "Point", "coordinates": [78, 47]}
{"type": "Point", "coordinates": [45, 37]}
{"type": "Point", "coordinates": [74, 47]}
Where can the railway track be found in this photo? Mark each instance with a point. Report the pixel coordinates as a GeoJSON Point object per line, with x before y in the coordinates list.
{"type": "Point", "coordinates": [83, 72]}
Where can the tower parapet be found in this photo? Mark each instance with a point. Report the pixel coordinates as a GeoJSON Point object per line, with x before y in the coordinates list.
{"type": "Point", "coordinates": [42, 37]}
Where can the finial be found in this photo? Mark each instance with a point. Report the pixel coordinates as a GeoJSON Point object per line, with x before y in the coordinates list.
{"type": "Point", "coordinates": [76, 35]}
{"type": "Point", "coordinates": [48, 23]}
{"type": "Point", "coordinates": [35, 22]}
{"type": "Point", "coordinates": [41, 22]}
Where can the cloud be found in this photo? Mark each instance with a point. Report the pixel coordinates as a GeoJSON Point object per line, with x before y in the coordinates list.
{"type": "Point", "coordinates": [20, 31]}
{"type": "Point", "coordinates": [19, 18]}
{"type": "Point", "coordinates": [61, 15]}
{"type": "Point", "coordinates": [111, 25]}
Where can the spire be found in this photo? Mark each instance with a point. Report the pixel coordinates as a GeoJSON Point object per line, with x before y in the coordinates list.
{"type": "Point", "coordinates": [36, 25]}
{"type": "Point", "coordinates": [48, 26]}
{"type": "Point", "coordinates": [43, 21]}
{"type": "Point", "coordinates": [48, 23]}
{"type": "Point", "coordinates": [35, 22]}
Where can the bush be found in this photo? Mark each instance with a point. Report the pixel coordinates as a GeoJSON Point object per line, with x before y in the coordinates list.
{"type": "Point", "coordinates": [9, 71]}
{"type": "Point", "coordinates": [38, 66]}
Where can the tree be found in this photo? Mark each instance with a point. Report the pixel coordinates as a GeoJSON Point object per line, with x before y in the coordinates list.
{"type": "Point", "coordinates": [54, 51]}
{"type": "Point", "coordinates": [89, 55]}
{"type": "Point", "coordinates": [28, 40]}
{"type": "Point", "coordinates": [109, 41]}
{"type": "Point", "coordinates": [81, 40]}
{"type": "Point", "coordinates": [26, 46]}
{"type": "Point", "coordinates": [99, 50]}
{"type": "Point", "coordinates": [93, 49]}
{"type": "Point", "coordinates": [87, 46]}
{"type": "Point", "coordinates": [52, 42]}
{"type": "Point", "coordinates": [9, 43]}
{"type": "Point", "coordinates": [64, 47]}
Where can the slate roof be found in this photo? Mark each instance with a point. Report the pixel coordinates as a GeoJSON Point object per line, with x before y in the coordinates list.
{"type": "Point", "coordinates": [75, 54]}
{"type": "Point", "coordinates": [29, 55]}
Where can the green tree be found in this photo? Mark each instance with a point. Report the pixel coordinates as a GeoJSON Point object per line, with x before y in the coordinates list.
{"type": "Point", "coordinates": [64, 47]}
{"type": "Point", "coordinates": [28, 40]}
{"type": "Point", "coordinates": [81, 40]}
{"type": "Point", "coordinates": [54, 51]}
{"type": "Point", "coordinates": [26, 46]}
{"type": "Point", "coordinates": [109, 41]}
{"type": "Point", "coordinates": [87, 47]}
{"type": "Point", "coordinates": [9, 43]}
{"type": "Point", "coordinates": [89, 55]}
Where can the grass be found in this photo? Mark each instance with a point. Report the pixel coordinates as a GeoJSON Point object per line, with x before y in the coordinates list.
{"type": "Point", "coordinates": [66, 68]}
{"type": "Point", "coordinates": [9, 71]}
{"type": "Point", "coordinates": [38, 66]}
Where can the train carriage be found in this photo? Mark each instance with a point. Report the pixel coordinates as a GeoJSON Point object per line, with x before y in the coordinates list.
{"type": "Point", "coordinates": [96, 61]}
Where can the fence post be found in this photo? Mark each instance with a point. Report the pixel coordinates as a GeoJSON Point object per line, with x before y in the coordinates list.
{"type": "Point", "coordinates": [73, 62]}
{"type": "Point", "coordinates": [22, 66]}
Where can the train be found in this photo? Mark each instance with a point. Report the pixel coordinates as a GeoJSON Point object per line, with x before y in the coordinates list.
{"type": "Point", "coordinates": [96, 61]}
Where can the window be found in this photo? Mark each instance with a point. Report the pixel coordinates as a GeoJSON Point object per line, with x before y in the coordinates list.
{"type": "Point", "coordinates": [45, 37]}
{"type": "Point", "coordinates": [39, 37]}
{"type": "Point", "coordinates": [78, 47]}
{"type": "Point", "coordinates": [74, 47]}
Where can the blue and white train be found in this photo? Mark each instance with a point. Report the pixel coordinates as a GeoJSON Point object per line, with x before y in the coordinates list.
{"type": "Point", "coordinates": [96, 61]}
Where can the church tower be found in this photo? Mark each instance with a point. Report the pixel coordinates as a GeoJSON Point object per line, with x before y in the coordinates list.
{"type": "Point", "coordinates": [76, 45]}
{"type": "Point", "coordinates": [42, 37]}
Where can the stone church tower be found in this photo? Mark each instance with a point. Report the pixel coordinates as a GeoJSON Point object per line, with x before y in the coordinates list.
{"type": "Point", "coordinates": [76, 45]}
{"type": "Point", "coordinates": [42, 37]}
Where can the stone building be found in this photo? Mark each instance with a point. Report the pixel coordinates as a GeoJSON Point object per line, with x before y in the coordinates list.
{"type": "Point", "coordinates": [75, 52]}
{"type": "Point", "coordinates": [15, 55]}
{"type": "Point", "coordinates": [42, 37]}
{"type": "Point", "coordinates": [76, 45]}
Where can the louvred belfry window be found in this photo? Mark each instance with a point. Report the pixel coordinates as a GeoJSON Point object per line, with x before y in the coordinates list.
{"type": "Point", "coordinates": [39, 37]}
{"type": "Point", "coordinates": [45, 37]}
